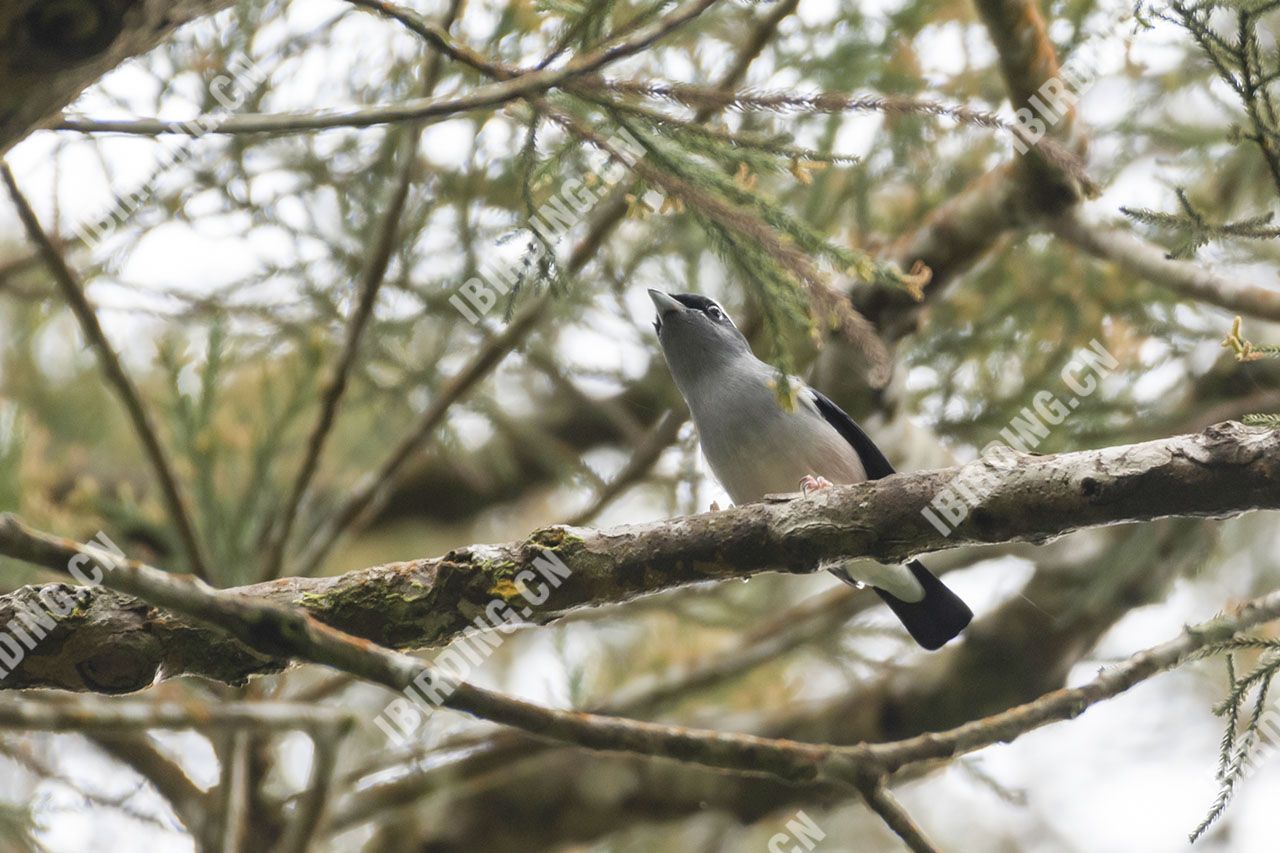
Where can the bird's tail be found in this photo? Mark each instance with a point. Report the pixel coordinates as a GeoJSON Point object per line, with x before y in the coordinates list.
{"type": "Point", "coordinates": [934, 619]}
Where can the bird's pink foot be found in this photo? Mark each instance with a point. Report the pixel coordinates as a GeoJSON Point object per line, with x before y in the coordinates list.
{"type": "Point", "coordinates": [810, 483]}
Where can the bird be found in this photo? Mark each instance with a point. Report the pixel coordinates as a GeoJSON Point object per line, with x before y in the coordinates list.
{"type": "Point", "coordinates": [756, 446]}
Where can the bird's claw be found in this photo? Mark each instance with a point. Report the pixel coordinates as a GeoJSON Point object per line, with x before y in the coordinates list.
{"type": "Point", "coordinates": [810, 483]}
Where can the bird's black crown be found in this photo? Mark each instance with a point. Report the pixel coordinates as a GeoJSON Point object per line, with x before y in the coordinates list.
{"type": "Point", "coordinates": [698, 303]}
{"type": "Point", "coordinates": [694, 300]}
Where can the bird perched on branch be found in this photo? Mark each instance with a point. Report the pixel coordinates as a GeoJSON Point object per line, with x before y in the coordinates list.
{"type": "Point", "coordinates": [756, 446]}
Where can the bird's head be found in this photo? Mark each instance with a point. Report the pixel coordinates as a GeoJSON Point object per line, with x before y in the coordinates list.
{"type": "Point", "coordinates": [696, 334]}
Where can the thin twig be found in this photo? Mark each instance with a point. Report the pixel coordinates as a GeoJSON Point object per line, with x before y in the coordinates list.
{"type": "Point", "coordinates": [883, 803]}
{"type": "Point", "coordinates": [375, 273]}
{"type": "Point", "coordinates": [784, 101]}
{"type": "Point", "coordinates": [641, 697]}
{"type": "Point", "coordinates": [417, 109]}
{"type": "Point", "coordinates": [371, 492]}
{"type": "Point", "coordinates": [309, 813]}
{"type": "Point", "coordinates": [73, 291]}
{"type": "Point", "coordinates": [642, 460]}
{"type": "Point", "coordinates": [23, 754]}
{"type": "Point", "coordinates": [113, 715]}
{"type": "Point", "coordinates": [234, 787]}
{"type": "Point", "coordinates": [136, 751]}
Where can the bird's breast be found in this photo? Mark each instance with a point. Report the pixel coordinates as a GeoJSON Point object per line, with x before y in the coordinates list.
{"type": "Point", "coordinates": [755, 447]}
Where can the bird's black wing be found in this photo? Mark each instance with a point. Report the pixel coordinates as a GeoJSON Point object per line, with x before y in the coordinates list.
{"type": "Point", "coordinates": [873, 461]}
{"type": "Point", "coordinates": [940, 614]}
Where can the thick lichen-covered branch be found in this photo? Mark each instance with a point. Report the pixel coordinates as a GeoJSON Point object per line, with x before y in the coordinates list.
{"type": "Point", "coordinates": [113, 643]}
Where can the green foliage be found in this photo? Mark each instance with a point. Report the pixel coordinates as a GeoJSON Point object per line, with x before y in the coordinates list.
{"type": "Point", "coordinates": [992, 347]}
{"type": "Point", "coordinates": [1262, 420]}
{"type": "Point", "coordinates": [1197, 231]}
{"type": "Point", "coordinates": [764, 154]}
{"type": "Point", "coordinates": [1238, 750]}
{"type": "Point", "coordinates": [586, 24]}
{"type": "Point", "coordinates": [740, 190]}
{"type": "Point", "coordinates": [1235, 40]}
{"type": "Point", "coordinates": [538, 264]}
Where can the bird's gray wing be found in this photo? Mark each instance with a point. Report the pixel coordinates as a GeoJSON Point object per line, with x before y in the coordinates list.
{"type": "Point", "coordinates": [873, 460]}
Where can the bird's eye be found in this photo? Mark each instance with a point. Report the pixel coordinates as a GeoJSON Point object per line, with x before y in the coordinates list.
{"type": "Point", "coordinates": [715, 313]}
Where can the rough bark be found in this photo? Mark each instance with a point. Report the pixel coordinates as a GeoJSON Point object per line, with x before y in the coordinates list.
{"type": "Point", "coordinates": [111, 643]}
{"type": "Point", "coordinates": [50, 52]}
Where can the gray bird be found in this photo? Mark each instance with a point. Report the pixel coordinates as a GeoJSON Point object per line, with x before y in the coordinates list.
{"type": "Point", "coordinates": [756, 447]}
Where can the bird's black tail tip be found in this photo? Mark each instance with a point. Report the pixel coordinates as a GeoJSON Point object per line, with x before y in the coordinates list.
{"type": "Point", "coordinates": [934, 619]}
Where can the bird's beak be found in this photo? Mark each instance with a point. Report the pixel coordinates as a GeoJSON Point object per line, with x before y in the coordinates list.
{"type": "Point", "coordinates": [664, 303]}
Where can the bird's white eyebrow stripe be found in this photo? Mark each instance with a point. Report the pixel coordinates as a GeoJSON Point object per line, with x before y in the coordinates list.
{"type": "Point", "coordinates": [719, 308]}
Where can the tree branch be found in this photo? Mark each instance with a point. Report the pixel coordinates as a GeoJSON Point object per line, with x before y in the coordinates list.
{"type": "Point", "coordinates": [883, 803]}
{"type": "Point", "coordinates": [111, 643]}
{"type": "Point", "coordinates": [274, 629]}
{"type": "Point", "coordinates": [98, 715]}
{"type": "Point", "coordinates": [1133, 254]}
{"type": "Point", "coordinates": [372, 790]}
{"type": "Point", "coordinates": [526, 85]}
{"type": "Point", "coordinates": [1011, 655]}
{"type": "Point", "coordinates": [1031, 642]}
